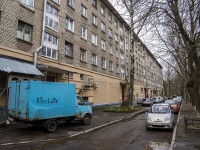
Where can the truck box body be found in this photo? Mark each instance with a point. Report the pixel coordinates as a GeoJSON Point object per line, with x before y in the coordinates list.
{"type": "Point", "coordinates": [39, 100]}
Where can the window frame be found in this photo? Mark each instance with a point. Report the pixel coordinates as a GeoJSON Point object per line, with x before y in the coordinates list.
{"type": "Point", "coordinates": [71, 49]}
{"type": "Point", "coordinates": [103, 27]}
{"type": "Point", "coordinates": [110, 65]}
{"type": "Point", "coordinates": [103, 63]}
{"type": "Point", "coordinates": [104, 42]}
{"type": "Point", "coordinates": [94, 19]}
{"type": "Point", "coordinates": [24, 27]}
{"type": "Point", "coordinates": [29, 6]}
{"type": "Point", "coordinates": [94, 37]}
{"type": "Point", "coordinates": [84, 30]}
{"type": "Point", "coordinates": [70, 3]}
{"type": "Point", "coordinates": [83, 58]}
{"type": "Point", "coordinates": [94, 59]}
{"type": "Point", "coordinates": [103, 9]}
{"type": "Point", "coordinates": [83, 11]}
{"type": "Point", "coordinates": [71, 24]}
{"type": "Point", "coordinates": [94, 3]}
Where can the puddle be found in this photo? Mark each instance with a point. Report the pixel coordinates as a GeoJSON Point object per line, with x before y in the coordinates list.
{"type": "Point", "coordinates": [157, 145]}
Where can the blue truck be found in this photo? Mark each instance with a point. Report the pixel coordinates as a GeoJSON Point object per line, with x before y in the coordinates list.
{"type": "Point", "coordinates": [45, 104]}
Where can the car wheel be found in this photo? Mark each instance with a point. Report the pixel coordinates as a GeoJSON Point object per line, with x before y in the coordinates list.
{"type": "Point", "coordinates": [86, 119]}
{"type": "Point", "coordinates": [147, 128]}
{"type": "Point", "coordinates": [51, 126]}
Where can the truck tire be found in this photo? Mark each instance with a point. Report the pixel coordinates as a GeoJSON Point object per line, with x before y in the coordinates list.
{"type": "Point", "coordinates": [86, 119]}
{"type": "Point", "coordinates": [51, 126]}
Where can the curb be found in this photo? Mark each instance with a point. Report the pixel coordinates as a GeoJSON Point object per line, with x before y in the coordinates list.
{"type": "Point", "coordinates": [77, 134]}
{"type": "Point", "coordinates": [175, 130]}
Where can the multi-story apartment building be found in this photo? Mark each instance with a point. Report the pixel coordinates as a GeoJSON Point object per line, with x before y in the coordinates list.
{"type": "Point", "coordinates": [148, 78]}
{"type": "Point", "coordinates": [85, 42]}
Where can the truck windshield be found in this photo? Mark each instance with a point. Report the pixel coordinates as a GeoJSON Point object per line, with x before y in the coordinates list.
{"type": "Point", "coordinates": [80, 100]}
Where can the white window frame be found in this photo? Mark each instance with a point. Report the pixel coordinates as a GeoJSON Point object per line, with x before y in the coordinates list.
{"type": "Point", "coordinates": [117, 53]}
{"type": "Point", "coordinates": [57, 1]}
{"type": "Point", "coordinates": [84, 32]}
{"type": "Point", "coordinates": [94, 39]}
{"type": "Point", "coordinates": [94, 3]}
{"type": "Point", "coordinates": [103, 27]}
{"type": "Point", "coordinates": [116, 23]}
{"type": "Point", "coordinates": [69, 24]}
{"type": "Point", "coordinates": [123, 72]}
{"type": "Point", "coordinates": [121, 58]}
{"type": "Point", "coordinates": [70, 3]}
{"type": "Point", "coordinates": [117, 68]}
{"type": "Point", "coordinates": [109, 17]}
{"type": "Point", "coordinates": [94, 59]}
{"type": "Point", "coordinates": [51, 17]}
{"type": "Point", "coordinates": [103, 8]}
{"type": "Point", "coordinates": [103, 62]}
{"type": "Point", "coordinates": [68, 49]}
{"type": "Point", "coordinates": [83, 11]}
{"type": "Point", "coordinates": [110, 33]}
{"type": "Point", "coordinates": [103, 44]}
{"type": "Point", "coordinates": [94, 19]}
{"type": "Point", "coordinates": [46, 50]}
{"type": "Point", "coordinates": [110, 65]}
{"type": "Point", "coordinates": [83, 55]}
{"type": "Point", "coordinates": [110, 49]}
{"type": "Point", "coordinates": [28, 3]}
{"type": "Point", "coordinates": [121, 44]}
{"type": "Point", "coordinates": [116, 37]}
{"type": "Point", "coordinates": [51, 39]}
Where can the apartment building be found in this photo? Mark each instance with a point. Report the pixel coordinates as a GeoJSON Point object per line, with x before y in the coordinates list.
{"type": "Point", "coordinates": [85, 42]}
{"type": "Point", "coordinates": [148, 77]}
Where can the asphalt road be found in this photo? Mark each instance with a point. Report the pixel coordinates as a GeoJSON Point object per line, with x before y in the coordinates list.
{"type": "Point", "coordinates": [129, 134]}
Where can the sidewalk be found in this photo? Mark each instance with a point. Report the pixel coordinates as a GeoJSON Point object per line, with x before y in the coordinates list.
{"type": "Point", "coordinates": [187, 135]}
{"type": "Point", "coordinates": [17, 133]}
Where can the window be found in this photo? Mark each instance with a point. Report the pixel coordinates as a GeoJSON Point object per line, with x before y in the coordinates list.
{"type": "Point", "coordinates": [110, 33]}
{"type": "Point", "coordinates": [49, 52]}
{"type": "Point", "coordinates": [116, 38]}
{"type": "Point", "coordinates": [122, 58]}
{"type": "Point", "coordinates": [110, 65]}
{"type": "Point", "coordinates": [94, 3]}
{"type": "Point", "coordinates": [68, 49]}
{"type": "Point", "coordinates": [94, 59]}
{"type": "Point", "coordinates": [51, 17]}
{"type": "Point", "coordinates": [122, 72]}
{"type": "Point", "coordinates": [121, 30]}
{"type": "Point", "coordinates": [24, 31]}
{"type": "Point", "coordinates": [116, 23]}
{"type": "Point", "coordinates": [83, 11]}
{"type": "Point", "coordinates": [28, 3]}
{"type": "Point", "coordinates": [109, 17]}
{"type": "Point", "coordinates": [127, 59]}
{"type": "Point", "coordinates": [94, 39]}
{"type": "Point", "coordinates": [70, 3]}
{"type": "Point", "coordinates": [94, 19]}
{"type": "Point", "coordinates": [103, 44]}
{"type": "Point", "coordinates": [83, 55]}
{"type": "Point", "coordinates": [103, 63]}
{"type": "Point", "coordinates": [70, 75]}
{"type": "Point", "coordinates": [102, 9]}
{"type": "Point", "coordinates": [121, 44]}
{"type": "Point", "coordinates": [127, 72]}
{"type": "Point", "coordinates": [56, 1]}
{"type": "Point", "coordinates": [84, 32]}
{"type": "Point", "coordinates": [117, 68]}
{"type": "Point", "coordinates": [103, 27]}
{"type": "Point", "coordinates": [50, 38]}
{"type": "Point", "coordinates": [141, 90]}
{"type": "Point", "coordinates": [69, 24]}
{"type": "Point", "coordinates": [117, 53]}
{"type": "Point", "coordinates": [110, 49]}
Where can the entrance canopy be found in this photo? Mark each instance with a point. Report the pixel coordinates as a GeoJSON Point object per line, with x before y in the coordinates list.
{"type": "Point", "coordinates": [13, 66]}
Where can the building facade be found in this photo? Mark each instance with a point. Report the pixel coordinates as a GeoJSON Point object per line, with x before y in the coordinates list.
{"type": "Point", "coordinates": [85, 42]}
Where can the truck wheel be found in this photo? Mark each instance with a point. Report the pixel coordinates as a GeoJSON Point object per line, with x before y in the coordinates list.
{"type": "Point", "coordinates": [86, 120]}
{"type": "Point", "coordinates": [51, 126]}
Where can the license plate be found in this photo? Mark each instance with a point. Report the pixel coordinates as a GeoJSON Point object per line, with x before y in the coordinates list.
{"type": "Point", "coordinates": [157, 123]}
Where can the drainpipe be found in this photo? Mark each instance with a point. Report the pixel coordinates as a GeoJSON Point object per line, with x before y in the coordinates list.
{"type": "Point", "coordinates": [42, 40]}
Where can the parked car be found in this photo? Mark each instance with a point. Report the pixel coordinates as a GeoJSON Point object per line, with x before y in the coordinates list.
{"type": "Point", "coordinates": [160, 116]}
{"type": "Point", "coordinates": [158, 99]}
{"type": "Point", "coordinates": [147, 101]}
{"type": "Point", "coordinates": [178, 99]}
{"type": "Point", "coordinates": [175, 106]}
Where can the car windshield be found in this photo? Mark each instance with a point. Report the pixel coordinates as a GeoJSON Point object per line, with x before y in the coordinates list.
{"type": "Point", "coordinates": [170, 102]}
{"type": "Point", "coordinates": [160, 109]}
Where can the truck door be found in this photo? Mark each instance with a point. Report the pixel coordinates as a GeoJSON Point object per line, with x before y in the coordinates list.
{"type": "Point", "coordinates": [81, 107]}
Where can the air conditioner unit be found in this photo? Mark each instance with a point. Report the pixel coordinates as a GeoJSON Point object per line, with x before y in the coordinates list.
{"type": "Point", "coordinates": [96, 85]}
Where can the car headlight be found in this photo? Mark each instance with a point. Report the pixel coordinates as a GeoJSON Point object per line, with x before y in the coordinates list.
{"type": "Point", "coordinates": [149, 118]}
{"type": "Point", "coordinates": [167, 119]}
